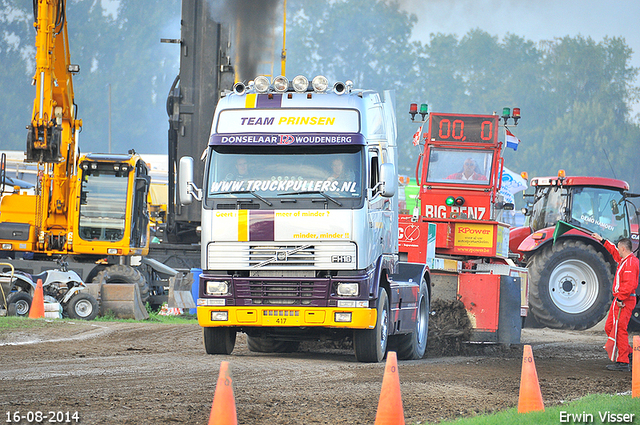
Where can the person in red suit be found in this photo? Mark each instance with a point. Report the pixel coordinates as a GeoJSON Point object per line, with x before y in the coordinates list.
{"type": "Point", "coordinates": [624, 287]}
{"type": "Point", "coordinates": [468, 172]}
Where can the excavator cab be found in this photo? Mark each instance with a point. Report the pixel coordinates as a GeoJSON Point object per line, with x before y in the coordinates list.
{"type": "Point", "coordinates": [113, 216]}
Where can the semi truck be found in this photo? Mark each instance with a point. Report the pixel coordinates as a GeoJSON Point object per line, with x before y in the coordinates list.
{"type": "Point", "coordinates": [300, 222]}
{"type": "Point", "coordinates": [571, 274]}
{"type": "Point", "coordinates": [459, 175]}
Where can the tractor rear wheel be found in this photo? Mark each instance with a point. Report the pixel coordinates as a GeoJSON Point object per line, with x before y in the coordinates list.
{"type": "Point", "coordinates": [634, 323]}
{"type": "Point", "coordinates": [570, 285]}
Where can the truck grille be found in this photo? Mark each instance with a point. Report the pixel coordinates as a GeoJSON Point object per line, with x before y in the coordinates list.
{"type": "Point", "coordinates": [274, 292]}
{"type": "Point", "coordinates": [264, 256]}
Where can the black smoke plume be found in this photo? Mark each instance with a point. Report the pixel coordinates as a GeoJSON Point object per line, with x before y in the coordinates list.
{"type": "Point", "coordinates": [252, 23]}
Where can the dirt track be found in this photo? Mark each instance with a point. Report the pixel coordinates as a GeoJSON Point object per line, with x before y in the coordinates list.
{"type": "Point", "coordinates": [145, 373]}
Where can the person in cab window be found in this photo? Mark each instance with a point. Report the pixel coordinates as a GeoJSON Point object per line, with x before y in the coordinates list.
{"type": "Point", "coordinates": [469, 171]}
{"type": "Point", "coordinates": [242, 170]}
{"type": "Point", "coordinates": [339, 171]}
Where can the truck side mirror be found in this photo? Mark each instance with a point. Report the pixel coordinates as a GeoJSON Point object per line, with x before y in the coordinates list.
{"type": "Point", "coordinates": [388, 180]}
{"type": "Point", "coordinates": [187, 190]}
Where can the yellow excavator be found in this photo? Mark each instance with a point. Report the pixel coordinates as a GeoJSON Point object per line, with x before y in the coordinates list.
{"type": "Point", "coordinates": [93, 207]}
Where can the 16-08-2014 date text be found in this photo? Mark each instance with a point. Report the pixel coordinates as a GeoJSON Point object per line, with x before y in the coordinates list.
{"type": "Point", "coordinates": [51, 417]}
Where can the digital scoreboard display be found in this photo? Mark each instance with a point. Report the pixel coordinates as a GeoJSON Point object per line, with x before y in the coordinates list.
{"type": "Point", "coordinates": [463, 128]}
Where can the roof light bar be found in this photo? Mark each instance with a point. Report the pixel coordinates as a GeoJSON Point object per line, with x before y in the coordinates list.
{"type": "Point", "coordinates": [280, 84]}
{"type": "Point", "coordinates": [300, 84]}
{"type": "Point", "coordinates": [261, 84]}
{"type": "Point", "coordinates": [320, 83]}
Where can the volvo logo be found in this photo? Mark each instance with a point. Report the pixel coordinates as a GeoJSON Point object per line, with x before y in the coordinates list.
{"type": "Point", "coordinates": [281, 255]}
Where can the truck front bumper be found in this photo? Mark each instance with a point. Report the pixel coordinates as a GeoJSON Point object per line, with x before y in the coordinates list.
{"type": "Point", "coordinates": [328, 317]}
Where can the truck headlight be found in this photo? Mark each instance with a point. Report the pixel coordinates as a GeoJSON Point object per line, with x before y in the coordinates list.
{"type": "Point", "coordinates": [217, 287]}
{"type": "Point", "coordinates": [348, 289]}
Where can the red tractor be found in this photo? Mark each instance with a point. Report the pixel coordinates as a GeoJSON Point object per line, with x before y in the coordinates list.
{"type": "Point", "coordinates": [571, 276]}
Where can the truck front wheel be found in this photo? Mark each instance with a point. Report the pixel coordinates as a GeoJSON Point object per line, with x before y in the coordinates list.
{"type": "Point", "coordinates": [219, 340]}
{"type": "Point", "coordinates": [569, 285]}
{"type": "Point", "coordinates": [370, 345]}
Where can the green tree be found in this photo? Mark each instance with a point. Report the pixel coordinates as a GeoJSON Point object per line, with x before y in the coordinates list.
{"type": "Point", "coordinates": [119, 50]}
{"type": "Point", "coordinates": [123, 55]}
{"type": "Point", "coordinates": [590, 140]}
{"type": "Point", "coordinates": [17, 53]}
{"type": "Point", "coordinates": [373, 50]}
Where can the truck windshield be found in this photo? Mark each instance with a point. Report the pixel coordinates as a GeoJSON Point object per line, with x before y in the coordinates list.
{"type": "Point", "coordinates": [103, 205]}
{"type": "Point", "coordinates": [459, 166]}
{"type": "Point", "coordinates": [284, 175]}
{"type": "Point", "coordinates": [600, 210]}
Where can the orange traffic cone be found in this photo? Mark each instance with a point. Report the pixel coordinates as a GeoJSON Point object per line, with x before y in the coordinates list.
{"type": "Point", "coordinates": [223, 410]}
{"type": "Point", "coordinates": [37, 304]}
{"type": "Point", "coordinates": [390, 410]}
{"type": "Point", "coordinates": [530, 398]}
{"type": "Point", "coordinates": [635, 364]}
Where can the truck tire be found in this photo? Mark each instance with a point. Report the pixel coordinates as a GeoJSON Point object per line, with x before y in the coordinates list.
{"type": "Point", "coordinates": [370, 345]}
{"type": "Point", "coordinates": [18, 304]}
{"type": "Point", "coordinates": [267, 345]}
{"type": "Point", "coordinates": [219, 340]}
{"type": "Point", "coordinates": [412, 346]}
{"type": "Point", "coordinates": [82, 306]}
{"type": "Point", "coordinates": [570, 285]}
{"type": "Point", "coordinates": [124, 274]}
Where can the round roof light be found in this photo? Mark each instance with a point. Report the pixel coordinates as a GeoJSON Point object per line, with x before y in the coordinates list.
{"type": "Point", "coordinates": [261, 83]}
{"type": "Point", "coordinates": [300, 83]}
{"type": "Point", "coordinates": [280, 83]}
{"type": "Point", "coordinates": [320, 83]}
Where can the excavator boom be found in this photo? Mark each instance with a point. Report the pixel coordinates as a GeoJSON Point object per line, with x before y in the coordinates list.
{"type": "Point", "coordinates": [52, 132]}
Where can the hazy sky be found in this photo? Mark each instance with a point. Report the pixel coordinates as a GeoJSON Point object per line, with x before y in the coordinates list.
{"type": "Point", "coordinates": [534, 20]}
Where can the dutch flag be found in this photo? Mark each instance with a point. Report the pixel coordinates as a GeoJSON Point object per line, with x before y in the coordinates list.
{"type": "Point", "coordinates": [512, 141]}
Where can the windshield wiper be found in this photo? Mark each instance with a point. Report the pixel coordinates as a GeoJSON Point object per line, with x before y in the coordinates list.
{"type": "Point", "coordinates": [238, 192]}
{"type": "Point", "coordinates": [313, 192]}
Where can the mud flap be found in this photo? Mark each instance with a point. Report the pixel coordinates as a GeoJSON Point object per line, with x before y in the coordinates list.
{"type": "Point", "coordinates": [123, 300]}
{"type": "Point", "coordinates": [180, 291]}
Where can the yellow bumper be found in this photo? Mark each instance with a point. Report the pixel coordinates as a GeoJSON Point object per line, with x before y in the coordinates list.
{"type": "Point", "coordinates": [361, 318]}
